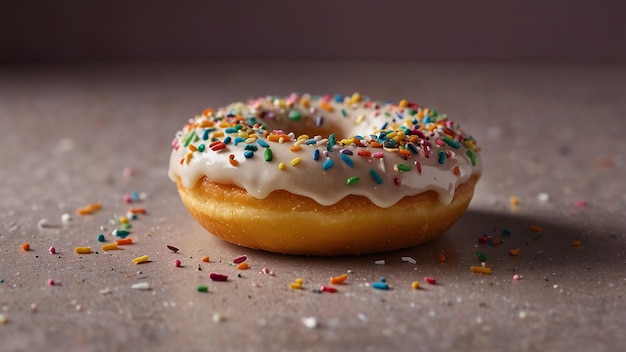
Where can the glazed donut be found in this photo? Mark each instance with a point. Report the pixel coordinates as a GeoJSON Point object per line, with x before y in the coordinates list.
{"type": "Point", "coordinates": [324, 175]}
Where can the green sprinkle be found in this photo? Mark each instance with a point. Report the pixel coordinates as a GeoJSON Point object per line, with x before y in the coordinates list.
{"type": "Point", "coordinates": [101, 238]}
{"type": "Point", "coordinates": [268, 154]}
{"type": "Point", "coordinates": [482, 256]}
{"type": "Point", "coordinates": [344, 113]}
{"type": "Point", "coordinates": [190, 137]}
{"type": "Point", "coordinates": [404, 167]}
{"type": "Point", "coordinates": [352, 180]}
{"type": "Point", "coordinates": [451, 142]}
{"type": "Point", "coordinates": [331, 141]}
{"type": "Point", "coordinates": [295, 115]}
{"type": "Point", "coordinates": [376, 177]}
{"type": "Point", "coordinates": [472, 157]}
{"type": "Point", "coordinates": [202, 288]}
{"type": "Point", "coordinates": [442, 157]}
{"type": "Point", "coordinates": [201, 148]}
{"type": "Point", "coordinates": [127, 226]}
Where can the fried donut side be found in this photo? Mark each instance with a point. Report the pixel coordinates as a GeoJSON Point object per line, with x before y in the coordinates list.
{"type": "Point", "coordinates": [291, 224]}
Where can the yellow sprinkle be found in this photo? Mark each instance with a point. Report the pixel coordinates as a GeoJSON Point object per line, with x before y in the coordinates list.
{"type": "Point", "coordinates": [225, 124]}
{"type": "Point", "coordinates": [480, 269]}
{"type": "Point", "coordinates": [188, 157]}
{"type": "Point", "coordinates": [123, 220]}
{"type": "Point", "coordinates": [391, 134]}
{"type": "Point", "coordinates": [110, 247]}
{"type": "Point", "coordinates": [295, 286]}
{"type": "Point", "coordinates": [303, 137]}
{"type": "Point", "coordinates": [359, 119]}
{"type": "Point", "coordinates": [218, 134]}
{"type": "Point", "coordinates": [250, 140]}
{"type": "Point", "coordinates": [403, 104]}
{"type": "Point", "coordinates": [415, 285]}
{"type": "Point", "coordinates": [295, 161]}
{"type": "Point", "coordinates": [469, 144]}
{"type": "Point", "coordinates": [139, 260]}
{"type": "Point", "coordinates": [299, 142]}
{"type": "Point", "coordinates": [281, 140]}
{"type": "Point", "coordinates": [82, 250]}
{"type": "Point", "coordinates": [514, 201]}
{"type": "Point", "coordinates": [279, 103]}
{"type": "Point", "coordinates": [299, 280]}
{"type": "Point", "coordinates": [304, 102]}
{"type": "Point", "coordinates": [356, 97]}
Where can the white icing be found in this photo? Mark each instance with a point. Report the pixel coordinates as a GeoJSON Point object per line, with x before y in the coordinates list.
{"type": "Point", "coordinates": [307, 178]}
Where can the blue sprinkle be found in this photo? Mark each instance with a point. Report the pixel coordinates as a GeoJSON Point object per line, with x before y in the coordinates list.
{"type": "Point", "coordinates": [400, 116]}
{"type": "Point", "coordinates": [376, 176]}
{"type": "Point", "coordinates": [328, 164]}
{"type": "Point", "coordinates": [238, 140]}
{"type": "Point", "coordinates": [134, 196]}
{"type": "Point", "coordinates": [506, 232]}
{"type": "Point", "coordinates": [380, 285]}
{"type": "Point", "coordinates": [427, 119]}
{"type": "Point", "coordinates": [251, 147]}
{"type": "Point", "coordinates": [412, 148]}
{"type": "Point", "coordinates": [338, 98]}
{"type": "Point", "coordinates": [230, 130]}
{"type": "Point", "coordinates": [262, 143]}
{"type": "Point", "coordinates": [383, 126]}
{"type": "Point", "coordinates": [205, 134]}
{"type": "Point", "coordinates": [311, 141]}
{"type": "Point", "coordinates": [227, 140]}
{"type": "Point", "coordinates": [442, 157]}
{"type": "Point", "coordinates": [248, 154]}
{"type": "Point", "coordinates": [316, 155]}
{"type": "Point", "coordinates": [346, 159]}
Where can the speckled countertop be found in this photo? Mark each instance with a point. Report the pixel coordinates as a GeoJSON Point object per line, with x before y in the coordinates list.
{"type": "Point", "coordinates": [552, 136]}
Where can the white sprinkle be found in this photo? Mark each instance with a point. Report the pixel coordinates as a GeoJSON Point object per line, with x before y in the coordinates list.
{"type": "Point", "coordinates": [543, 197]}
{"type": "Point", "coordinates": [409, 260]}
{"type": "Point", "coordinates": [218, 317]}
{"type": "Point", "coordinates": [66, 217]}
{"type": "Point", "coordinates": [522, 314]}
{"type": "Point", "coordinates": [43, 223]}
{"type": "Point", "coordinates": [310, 322]}
{"type": "Point", "coordinates": [141, 286]}
{"type": "Point", "coordinates": [105, 291]}
{"type": "Point", "coordinates": [380, 262]}
{"type": "Point", "coordinates": [362, 317]}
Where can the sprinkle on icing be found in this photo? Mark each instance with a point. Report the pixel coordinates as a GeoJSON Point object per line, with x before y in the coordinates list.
{"type": "Point", "coordinates": [336, 146]}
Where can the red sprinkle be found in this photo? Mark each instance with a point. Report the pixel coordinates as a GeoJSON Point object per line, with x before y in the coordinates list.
{"type": "Point", "coordinates": [430, 280]}
{"type": "Point", "coordinates": [177, 263]}
{"type": "Point", "coordinates": [328, 289]}
{"type": "Point", "coordinates": [52, 250]}
{"type": "Point", "coordinates": [50, 282]}
{"type": "Point", "coordinates": [240, 259]}
{"type": "Point", "coordinates": [172, 248]}
{"type": "Point", "coordinates": [218, 277]}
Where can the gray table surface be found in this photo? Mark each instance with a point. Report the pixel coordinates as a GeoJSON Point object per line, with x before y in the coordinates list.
{"type": "Point", "coordinates": [68, 132]}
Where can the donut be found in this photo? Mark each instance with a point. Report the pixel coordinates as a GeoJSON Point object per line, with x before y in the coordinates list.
{"type": "Point", "coordinates": [324, 175]}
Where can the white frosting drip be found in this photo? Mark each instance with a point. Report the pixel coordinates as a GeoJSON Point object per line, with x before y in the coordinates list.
{"type": "Point", "coordinates": [384, 186]}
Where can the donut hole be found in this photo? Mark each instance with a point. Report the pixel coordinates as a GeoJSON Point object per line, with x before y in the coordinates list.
{"type": "Point", "coordinates": [308, 125]}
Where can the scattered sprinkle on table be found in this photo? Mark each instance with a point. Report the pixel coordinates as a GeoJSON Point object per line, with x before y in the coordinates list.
{"type": "Point", "coordinates": [26, 246]}
{"type": "Point", "coordinates": [206, 259]}
{"type": "Point", "coordinates": [202, 288]}
{"type": "Point", "coordinates": [52, 250]}
{"type": "Point", "coordinates": [336, 280]}
{"type": "Point", "coordinates": [172, 248]}
{"type": "Point", "coordinates": [480, 269]}
{"type": "Point", "coordinates": [379, 262]}
{"type": "Point", "coordinates": [430, 280]}
{"type": "Point", "coordinates": [124, 241]}
{"type": "Point", "coordinates": [240, 259]}
{"type": "Point", "coordinates": [143, 286]}
{"type": "Point", "coordinates": [296, 284]}
{"type": "Point", "coordinates": [409, 260]}
{"type": "Point", "coordinates": [50, 282]}
{"type": "Point", "coordinates": [415, 285]}
{"type": "Point", "coordinates": [310, 322]}
{"type": "Point", "coordinates": [514, 252]}
{"type": "Point", "coordinates": [177, 263]}
{"type": "Point", "coordinates": [381, 285]}
{"type": "Point", "coordinates": [218, 277]}
{"type": "Point", "coordinates": [109, 247]}
{"type": "Point", "coordinates": [142, 259]}
{"type": "Point", "coordinates": [243, 266]}
{"type": "Point", "coordinates": [576, 243]}
{"type": "Point", "coordinates": [82, 250]}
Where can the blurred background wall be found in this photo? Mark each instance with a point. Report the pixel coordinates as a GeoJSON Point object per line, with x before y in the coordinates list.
{"type": "Point", "coordinates": [193, 30]}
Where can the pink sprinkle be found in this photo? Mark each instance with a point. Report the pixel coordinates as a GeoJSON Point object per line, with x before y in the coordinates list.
{"type": "Point", "coordinates": [50, 282]}
{"type": "Point", "coordinates": [52, 250]}
{"type": "Point", "coordinates": [430, 280]}
{"type": "Point", "coordinates": [240, 259]}
{"type": "Point", "coordinates": [128, 171]}
{"type": "Point", "coordinates": [218, 277]}
{"type": "Point", "coordinates": [126, 198]}
{"type": "Point", "coordinates": [378, 155]}
{"type": "Point", "coordinates": [177, 263]}
{"type": "Point", "coordinates": [516, 277]}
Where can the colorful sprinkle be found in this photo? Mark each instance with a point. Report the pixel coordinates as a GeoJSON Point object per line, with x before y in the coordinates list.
{"type": "Point", "coordinates": [218, 277]}
{"type": "Point", "coordinates": [337, 280]}
{"type": "Point", "coordinates": [109, 247]}
{"type": "Point", "coordinates": [172, 248]}
{"type": "Point", "coordinates": [52, 250]}
{"type": "Point", "coordinates": [82, 250]}
{"type": "Point", "coordinates": [353, 180]}
{"type": "Point", "coordinates": [480, 269]}
{"type": "Point", "coordinates": [430, 280]}
{"type": "Point", "coordinates": [267, 155]}
{"type": "Point", "coordinates": [328, 163]}
{"type": "Point", "coordinates": [124, 241]}
{"type": "Point", "coordinates": [177, 263]}
{"type": "Point", "coordinates": [26, 246]}
{"type": "Point", "coordinates": [376, 177]}
{"type": "Point", "coordinates": [141, 259]}
{"type": "Point", "coordinates": [202, 288]}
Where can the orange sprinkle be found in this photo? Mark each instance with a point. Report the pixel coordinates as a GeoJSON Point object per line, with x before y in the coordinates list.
{"type": "Point", "coordinates": [193, 148]}
{"type": "Point", "coordinates": [89, 209]}
{"type": "Point", "coordinates": [576, 243]}
{"type": "Point", "coordinates": [26, 246]}
{"type": "Point", "coordinates": [304, 102]}
{"type": "Point", "coordinates": [336, 280]}
{"type": "Point", "coordinates": [403, 104]}
{"type": "Point", "coordinates": [441, 257]}
{"type": "Point", "coordinates": [137, 210]}
{"type": "Point", "coordinates": [324, 105]}
{"type": "Point", "coordinates": [232, 161]}
{"type": "Point", "coordinates": [243, 266]}
{"type": "Point", "coordinates": [376, 145]}
{"type": "Point", "coordinates": [124, 241]}
{"type": "Point", "coordinates": [535, 229]}
{"type": "Point", "coordinates": [363, 152]}
{"type": "Point", "coordinates": [295, 148]}
{"type": "Point", "coordinates": [278, 137]}
{"type": "Point", "coordinates": [514, 201]}
{"type": "Point", "coordinates": [514, 252]}
{"type": "Point", "coordinates": [457, 171]}
{"type": "Point", "coordinates": [205, 259]}
{"type": "Point", "coordinates": [208, 112]}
